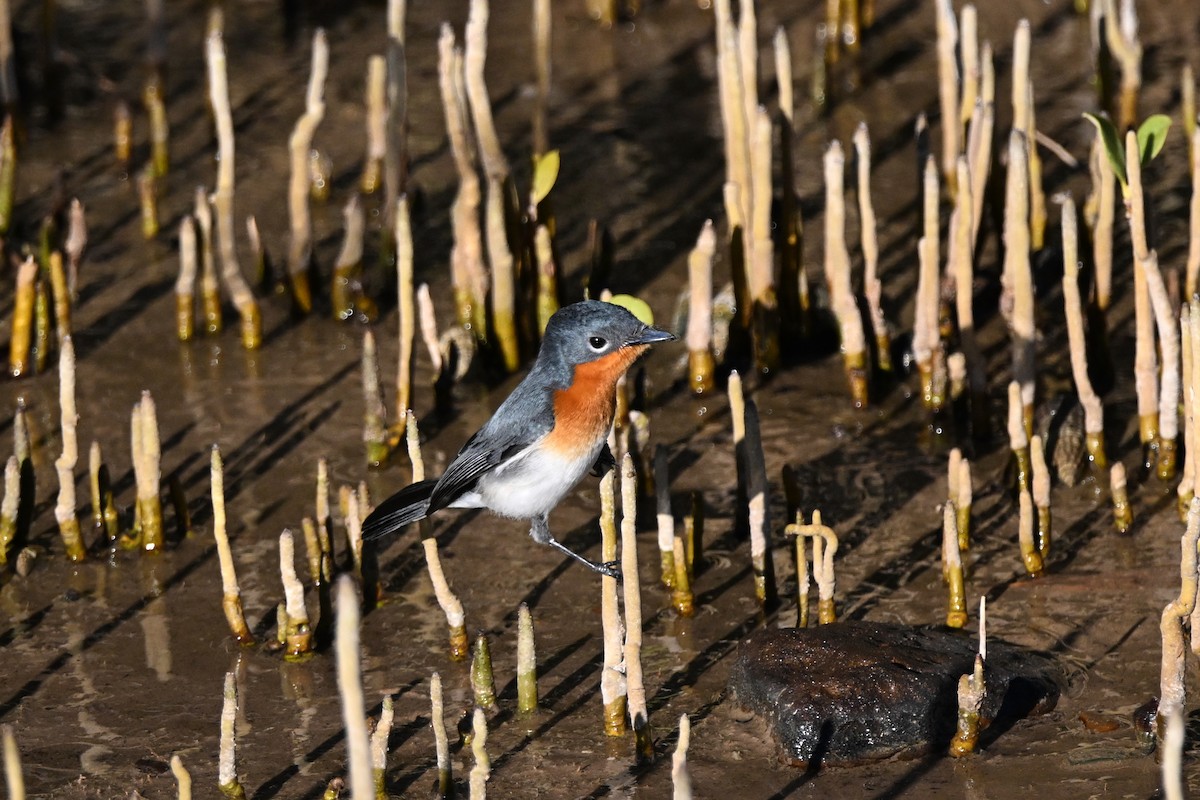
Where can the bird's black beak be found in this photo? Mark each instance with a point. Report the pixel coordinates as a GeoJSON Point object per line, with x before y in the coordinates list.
{"type": "Point", "coordinates": [650, 336]}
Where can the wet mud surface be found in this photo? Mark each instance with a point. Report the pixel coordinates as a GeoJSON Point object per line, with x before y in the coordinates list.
{"type": "Point", "coordinates": [111, 666]}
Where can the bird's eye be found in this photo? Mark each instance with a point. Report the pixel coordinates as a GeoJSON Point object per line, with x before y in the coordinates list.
{"type": "Point", "coordinates": [597, 343]}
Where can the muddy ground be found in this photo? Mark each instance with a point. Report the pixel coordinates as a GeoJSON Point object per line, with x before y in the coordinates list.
{"type": "Point", "coordinates": [112, 666]}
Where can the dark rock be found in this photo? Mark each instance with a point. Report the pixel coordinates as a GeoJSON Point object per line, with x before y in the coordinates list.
{"type": "Point", "coordinates": [859, 691]}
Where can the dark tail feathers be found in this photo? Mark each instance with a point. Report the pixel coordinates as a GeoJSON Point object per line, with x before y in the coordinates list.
{"type": "Point", "coordinates": [407, 505]}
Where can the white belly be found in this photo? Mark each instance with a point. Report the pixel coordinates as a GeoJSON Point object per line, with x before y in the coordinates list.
{"type": "Point", "coordinates": [528, 486]}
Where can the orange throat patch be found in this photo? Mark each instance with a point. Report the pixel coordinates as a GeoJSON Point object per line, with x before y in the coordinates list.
{"type": "Point", "coordinates": [583, 412]}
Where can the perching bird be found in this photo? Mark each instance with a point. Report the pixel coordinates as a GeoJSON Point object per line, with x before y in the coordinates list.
{"type": "Point", "coordinates": [545, 436]}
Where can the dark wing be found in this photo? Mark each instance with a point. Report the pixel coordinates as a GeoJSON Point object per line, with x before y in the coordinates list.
{"type": "Point", "coordinates": [407, 505]}
{"type": "Point", "coordinates": [480, 455]}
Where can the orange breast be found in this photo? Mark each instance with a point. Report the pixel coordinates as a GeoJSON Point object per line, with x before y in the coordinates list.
{"type": "Point", "coordinates": [583, 413]}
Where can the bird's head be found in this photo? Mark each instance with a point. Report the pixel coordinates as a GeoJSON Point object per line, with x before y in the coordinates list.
{"type": "Point", "coordinates": [591, 330]}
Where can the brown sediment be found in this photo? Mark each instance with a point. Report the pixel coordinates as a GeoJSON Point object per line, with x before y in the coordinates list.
{"type": "Point", "coordinates": [349, 676]}
{"type": "Point", "coordinates": [971, 690]}
{"type": "Point", "coordinates": [406, 307]}
{"type": "Point", "coordinates": [639, 714]}
{"type": "Point", "coordinates": [185, 285]}
{"type": "Point", "coordinates": [1041, 496]}
{"type": "Point", "coordinates": [872, 286]}
{"type": "Point", "coordinates": [22, 320]}
{"type": "Point", "coordinates": [1093, 409]}
{"type": "Point", "coordinates": [1031, 557]}
{"type": "Point", "coordinates": [1122, 512]}
{"type": "Point", "coordinates": [467, 271]}
{"type": "Point", "coordinates": [527, 691]}
{"type": "Point", "coordinates": [231, 602]}
{"type": "Point", "coordinates": [1175, 615]}
{"type": "Point", "coordinates": [375, 436]}
{"type": "Point", "coordinates": [483, 686]}
{"type": "Point", "coordinates": [837, 274]}
{"type": "Point", "coordinates": [64, 510]}
{"type": "Point", "coordinates": [952, 568]}
{"type": "Point", "coordinates": [298, 643]}
{"type": "Point", "coordinates": [147, 189]}
{"type": "Point", "coordinates": [210, 285]}
{"type": "Point", "coordinates": [445, 783]}
{"type": "Point", "coordinates": [613, 691]}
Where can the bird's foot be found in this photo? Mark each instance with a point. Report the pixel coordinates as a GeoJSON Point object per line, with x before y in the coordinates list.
{"type": "Point", "coordinates": [610, 569]}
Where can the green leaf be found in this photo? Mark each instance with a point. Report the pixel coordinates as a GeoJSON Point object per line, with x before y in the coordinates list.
{"type": "Point", "coordinates": [1112, 145]}
{"type": "Point", "coordinates": [545, 173]}
{"type": "Point", "coordinates": [1151, 135]}
{"type": "Point", "coordinates": [634, 305]}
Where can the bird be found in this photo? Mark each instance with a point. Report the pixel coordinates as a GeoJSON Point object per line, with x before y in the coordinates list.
{"type": "Point", "coordinates": [550, 432]}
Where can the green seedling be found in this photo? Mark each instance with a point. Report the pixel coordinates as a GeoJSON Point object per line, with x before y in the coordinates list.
{"type": "Point", "coordinates": [1151, 135]}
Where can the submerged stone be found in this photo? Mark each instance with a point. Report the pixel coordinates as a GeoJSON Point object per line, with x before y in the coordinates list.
{"type": "Point", "coordinates": [860, 691]}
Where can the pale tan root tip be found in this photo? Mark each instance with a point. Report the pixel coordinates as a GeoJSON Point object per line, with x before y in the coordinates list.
{"type": "Point", "coordinates": [231, 604]}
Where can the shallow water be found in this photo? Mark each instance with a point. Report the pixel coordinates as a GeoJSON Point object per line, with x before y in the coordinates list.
{"type": "Point", "coordinates": [112, 666]}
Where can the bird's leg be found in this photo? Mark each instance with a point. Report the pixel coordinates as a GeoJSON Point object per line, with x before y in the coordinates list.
{"type": "Point", "coordinates": [604, 461]}
{"type": "Point", "coordinates": [540, 531]}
